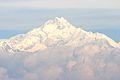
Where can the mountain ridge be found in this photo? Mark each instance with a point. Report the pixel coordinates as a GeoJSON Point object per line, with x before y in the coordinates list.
{"type": "Point", "coordinates": [54, 32]}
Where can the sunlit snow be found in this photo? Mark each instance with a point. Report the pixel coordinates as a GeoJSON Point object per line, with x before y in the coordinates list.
{"type": "Point", "coordinates": [58, 50]}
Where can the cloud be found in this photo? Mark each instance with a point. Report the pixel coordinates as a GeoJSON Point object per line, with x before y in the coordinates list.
{"type": "Point", "coordinates": [71, 64]}
{"type": "Point", "coordinates": [89, 62]}
{"type": "Point", "coordinates": [31, 76]}
{"type": "Point", "coordinates": [30, 62]}
{"type": "Point", "coordinates": [52, 73]}
{"type": "Point", "coordinates": [3, 74]}
{"type": "Point", "coordinates": [87, 72]}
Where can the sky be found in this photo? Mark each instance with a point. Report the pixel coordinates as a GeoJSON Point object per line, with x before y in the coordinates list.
{"type": "Point", "coordinates": [18, 16]}
{"type": "Point", "coordinates": [111, 4]}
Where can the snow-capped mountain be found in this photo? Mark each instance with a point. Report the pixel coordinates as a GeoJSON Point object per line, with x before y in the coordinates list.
{"type": "Point", "coordinates": [58, 50]}
{"type": "Point", "coordinates": [55, 33]}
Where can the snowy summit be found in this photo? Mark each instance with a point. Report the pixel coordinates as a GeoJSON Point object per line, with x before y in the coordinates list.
{"type": "Point", "coordinates": [56, 32]}
{"type": "Point", "coordinates": [58, 50]}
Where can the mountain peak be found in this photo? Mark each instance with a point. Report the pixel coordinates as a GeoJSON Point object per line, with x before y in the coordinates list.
{"type": "Point", "coordinates": [57, 24]}
{"type": "Point", "coordinates": [61, 19]}
{"type": "Point", "coordinates": [56, 32]}
{"type": "Point", "coordinates": [57, 20]}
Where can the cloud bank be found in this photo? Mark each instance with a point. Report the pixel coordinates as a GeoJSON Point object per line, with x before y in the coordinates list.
{"type": "Point", "coordinates": [82, 63]}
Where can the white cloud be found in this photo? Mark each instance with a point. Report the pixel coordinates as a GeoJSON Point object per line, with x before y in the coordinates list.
{"type": "Point", "coordinates": [31, 76]}
{"type": "Point", "coordinates": [30, 62]}
{"type": "Point", "coordinates": [52, 73]}
{"type": "Point", "coordinates": [71, 64]}
{"type": "Point", "coordinates": [3, 74]}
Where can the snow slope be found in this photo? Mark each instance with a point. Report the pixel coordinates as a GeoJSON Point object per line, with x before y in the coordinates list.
{"type": "Point", "coordinates": [56, 32]}
{"type": "Point", "coordinates": [58, 50]}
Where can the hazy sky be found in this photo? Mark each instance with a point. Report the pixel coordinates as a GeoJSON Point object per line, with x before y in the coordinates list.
{"type": "Point", "coordinates": [21, 13]}
{"type": "Point", "coordinates": [109, 4]}
{"type": "Point", "coordinates": [87, 14]}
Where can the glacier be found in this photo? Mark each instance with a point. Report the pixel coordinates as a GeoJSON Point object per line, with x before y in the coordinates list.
{"type": "Point", "coordinates": [57, 50]}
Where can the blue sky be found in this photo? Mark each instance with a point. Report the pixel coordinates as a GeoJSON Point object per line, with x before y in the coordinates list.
{"type": "Point", "coordinates": [20, 16]}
